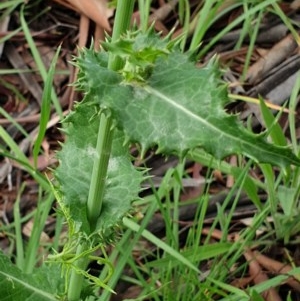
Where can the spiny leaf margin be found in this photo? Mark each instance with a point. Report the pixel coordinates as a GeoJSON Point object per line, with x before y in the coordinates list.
{"type": "Point", "coordinates": [75, 170]}
{"type": "Point", "coordinates": [178, 107]}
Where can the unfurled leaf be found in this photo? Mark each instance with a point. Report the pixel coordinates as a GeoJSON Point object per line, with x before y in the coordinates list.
{"type": "Point", "coordinates": [172, 104]}
{"type": "Point", "coordinates": [275, 130]}
{"type": "Point", "coordinates": [75, 171]}
{"type": "Point", "coordinates": [42, 285]}
{"type": "Point", "coordinates": [178, 108]}
{"type": "Point", "coordinates": [286, 197]}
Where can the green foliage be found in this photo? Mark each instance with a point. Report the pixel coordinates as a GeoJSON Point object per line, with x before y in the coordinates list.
{"type": "Point", "coordinates": [42, 285]}
{"type": "Point", "coordinates": [158, 97]}
{"type": "Point", "coordinates": [177, 107]}
{"type": "Point", "coordinates": [45, 107]}
{"type": "Point", "coordinates": [139, 51]}
{"type": "Point", "coordinates": [74, 173]}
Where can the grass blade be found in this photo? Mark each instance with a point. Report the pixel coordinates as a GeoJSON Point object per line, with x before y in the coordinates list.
{"type": "Point", "coordinates": [38, 60]}
{"type": "Point", "coordinates": [159, 243]}
{"type": "Point", "coordinates": [45, 108]}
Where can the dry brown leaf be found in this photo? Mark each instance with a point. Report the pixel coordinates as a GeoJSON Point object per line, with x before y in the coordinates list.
{"type": "Point", "coordinates": [27, 231]}
{"type": "Point", "coordinates": [248, 221]}
{"type": "Point", "coordinates": [278, 53]}
{"type": "Point", "coordinates": [295, 4]}
{"type": "Point", "coordinates": [97, 10]}
{"type": "Point", "coordinates": [259, 276]}
{"type": "Point", "coordinates": [275, 266]}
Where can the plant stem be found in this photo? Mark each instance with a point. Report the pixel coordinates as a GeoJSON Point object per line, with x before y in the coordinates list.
{"type": "Point", "coordinates": [104, 142]}
{"type": "Point", "coordinates": [76, 279]}
{"type": "Point", "coordinates": [122, 23]}
{"type": "Point", "coordinates": [96, 192]}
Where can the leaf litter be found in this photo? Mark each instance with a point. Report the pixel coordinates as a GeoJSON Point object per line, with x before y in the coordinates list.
{"type": "Point", "coordinates": [272, 64]}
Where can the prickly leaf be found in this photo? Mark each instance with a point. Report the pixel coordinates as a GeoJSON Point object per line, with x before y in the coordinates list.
{"type": "Point", "coordinates": [75, 170]}
{"type": "Point", "coordinates": [42, 285]}
{"type": "Point", "coordinates": [178, 107]}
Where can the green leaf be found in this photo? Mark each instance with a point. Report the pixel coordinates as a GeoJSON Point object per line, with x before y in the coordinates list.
{"type": "Point", "coordinates": [138, 51]}
{"type": "Point", "coordinates": [256, 296]}
{"type": "Point", "coordinates": [45, 107]}
{"type": "Point", "coordinates": [276, 132]}
{"type": "Point", "coordinates": [43, 285]}
{"type": "Point", "coordinates": [75, 170]}
{"type": "Point", "coordinates": [178, 108]}
{"type": "Point", "coordinates": [203, 253]}
{"type": "Point", "coordinates": [286, 196]}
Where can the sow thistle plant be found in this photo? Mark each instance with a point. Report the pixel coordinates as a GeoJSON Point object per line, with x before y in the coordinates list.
{"type": "Point", "coordinates": [157, 98]}
{"type": "Point", "coordinates": [138, 52]}
{"type": "Point", "coordinates": [139, 89]}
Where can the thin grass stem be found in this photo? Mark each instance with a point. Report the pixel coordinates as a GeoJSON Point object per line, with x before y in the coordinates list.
{"type": "Point", "coordinates": [39, 62]}
{"type": "Point", "coordinates": [40, 217]}
{"type": "Point", "coordinates": [18, 231]}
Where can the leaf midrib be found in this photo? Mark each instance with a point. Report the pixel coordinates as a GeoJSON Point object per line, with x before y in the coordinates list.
{"type": "Point", "coordinates": [29, 286]}
{"type": "Point", "coordinates": [169, 100]}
